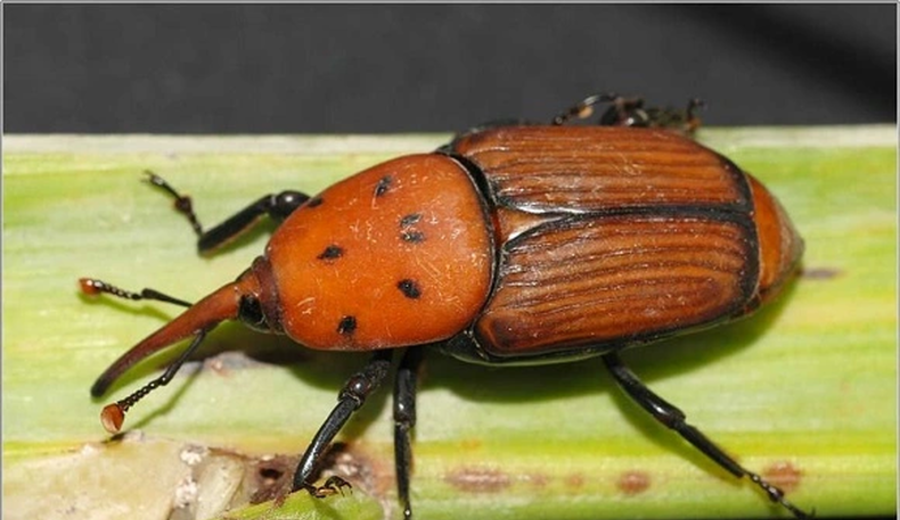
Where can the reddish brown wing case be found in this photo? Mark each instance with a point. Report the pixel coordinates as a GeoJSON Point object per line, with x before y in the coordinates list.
{"type": "Point", "coordinates": [616, 236]}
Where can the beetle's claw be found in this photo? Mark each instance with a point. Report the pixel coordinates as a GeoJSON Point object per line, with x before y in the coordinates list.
{"type": "Point", "coordinates": [332, 486]}
{"type": "Point", "coordinates": [337, 483]}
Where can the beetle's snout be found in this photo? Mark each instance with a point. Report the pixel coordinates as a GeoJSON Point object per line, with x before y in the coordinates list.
{"type": "Point", "coordinates": [247, 298]}
{"type": "Point", "coordinates": [201, 317]}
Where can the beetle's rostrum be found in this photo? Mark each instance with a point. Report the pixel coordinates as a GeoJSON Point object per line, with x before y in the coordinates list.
{"type": "Point", "coordinates": [513, 244]}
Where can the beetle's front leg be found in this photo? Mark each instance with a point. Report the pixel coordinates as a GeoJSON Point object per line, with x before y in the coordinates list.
{"type": "Point", "coordinates": [350, 399]}
{"type": "Point", "coordinates": [669, 415]}
{"type": "Point", "coordinates": [277, 206]}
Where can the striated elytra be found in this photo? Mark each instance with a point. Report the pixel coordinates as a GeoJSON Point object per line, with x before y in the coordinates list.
{"type": "Point", "coordinates": [516, 243]}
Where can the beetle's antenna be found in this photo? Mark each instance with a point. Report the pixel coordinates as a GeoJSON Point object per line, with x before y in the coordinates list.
{"type": "Point", "coordinates": [93, 287]}
{"type": "Point", "coordinates": [113, 414]}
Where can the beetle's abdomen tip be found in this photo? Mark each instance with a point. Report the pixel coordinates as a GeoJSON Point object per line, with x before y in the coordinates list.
{"type": "Point", "coordinates": [780, 245]}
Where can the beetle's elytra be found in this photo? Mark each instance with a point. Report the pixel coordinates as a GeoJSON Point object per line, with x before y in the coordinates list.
{"type": "Point", "coordinates": [513, 244]}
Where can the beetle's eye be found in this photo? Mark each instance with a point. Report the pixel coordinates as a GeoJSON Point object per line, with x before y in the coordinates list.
{"type": "Point", "coordinates": [250, 313]}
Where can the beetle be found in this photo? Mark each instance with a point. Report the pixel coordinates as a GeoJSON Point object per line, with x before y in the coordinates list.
{"type": "Point", "coordinates": [516, 243]}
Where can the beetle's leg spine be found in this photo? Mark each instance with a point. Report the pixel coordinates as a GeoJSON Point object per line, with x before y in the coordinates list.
{"type": "Point", "coordinates": [351, 397]}
{"type": "Point", "coordinates": [673, 418]}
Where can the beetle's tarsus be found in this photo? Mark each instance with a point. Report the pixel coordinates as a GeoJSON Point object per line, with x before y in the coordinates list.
{"type": "Point", "coordinates": [338, 484]}
{"type": "Point", "coordinates": [182, 203]}
{"type": "Point", "coordinates": [332, 486]}
{"type": "Point", "coordinates": [776, 495]}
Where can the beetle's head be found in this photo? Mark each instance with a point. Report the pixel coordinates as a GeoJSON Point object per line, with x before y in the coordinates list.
{"type": "Point", "coordinates": [250, 298]}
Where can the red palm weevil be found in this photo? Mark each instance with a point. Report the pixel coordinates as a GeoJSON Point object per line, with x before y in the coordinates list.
{"type": "Point", "coordinates": [516, 243]}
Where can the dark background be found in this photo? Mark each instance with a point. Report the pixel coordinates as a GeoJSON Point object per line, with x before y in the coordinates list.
{"type": "Point", "coordinates": [414, 68]}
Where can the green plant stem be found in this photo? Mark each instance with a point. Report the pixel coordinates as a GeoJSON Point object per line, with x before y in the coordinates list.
{"type": "Point", "coordinates": [802, 392]}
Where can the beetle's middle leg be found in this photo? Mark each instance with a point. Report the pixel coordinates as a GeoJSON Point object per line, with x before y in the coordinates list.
{"type": "Point", "coordinates": [404, 421]}
{"type": "Point", "coordinates": [351, 398]}
{"type": "Point", "coordinates": [672, 417]}
{"type": "Point", "coordinates": [278, 206]}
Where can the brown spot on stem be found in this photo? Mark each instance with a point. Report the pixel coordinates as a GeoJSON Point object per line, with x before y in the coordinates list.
{"type": "Point", "coordinates": [575, 481]}
{"type": "Point", "coordinates": [538, 480]}
{"type": "Point", "coordinates": [272, 478]}
{"type": "Point", "coordinates": [478, 480]}
{"type": "Point", "coordinates": [633, 482]}
{"type": "Point", "coordinates": [784, 475]}
{"type": "Point", "coordinates": [820, 273]}
{"type": "Point", "coordinates": [355, 465]}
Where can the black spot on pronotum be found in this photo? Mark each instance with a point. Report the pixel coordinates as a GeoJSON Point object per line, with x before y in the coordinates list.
{"type": "Point", "coordinates": [331, 252]}
{"type": "Point", "coordinates": [410, 219]}
{"type": "Point", "coordinates": [406, 232]}
{"type": "Point", "coordinates": [383, 185]}
{"type": "Point", "coordinates": [347, 325]}
{"type": "Point", "coordinates": [409, 288]}
{"type": "Point", "coordinates": [314, 202]}
{"type": "Point", "coordinates": [412, 236]}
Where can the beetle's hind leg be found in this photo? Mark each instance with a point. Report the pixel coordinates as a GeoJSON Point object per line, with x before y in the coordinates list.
{"type": "Point", "coordinates": [672, 417]}
{"type": "Point", "coordinates": [405, 385]}
{"type": "Point", "coordinates": [277, 206]}
{"type": "Point", "coordinates": [630, 112]}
